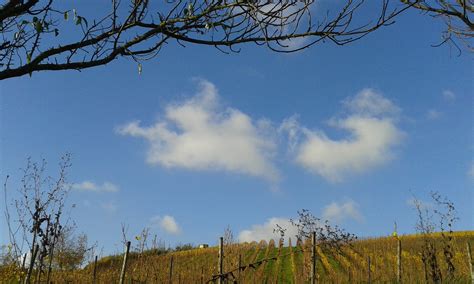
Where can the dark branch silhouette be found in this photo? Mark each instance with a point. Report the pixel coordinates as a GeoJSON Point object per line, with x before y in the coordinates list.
{"type": "Point", "coordinates": [35, 37]}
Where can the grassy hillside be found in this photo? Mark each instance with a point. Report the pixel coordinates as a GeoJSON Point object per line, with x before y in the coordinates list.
{"type": "Point", "coordinates": [288, 264]}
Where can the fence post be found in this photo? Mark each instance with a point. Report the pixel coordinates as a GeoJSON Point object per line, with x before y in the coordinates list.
{"type": "Point", "coordinates": [32, 263]}
{"type": "Point", "coordinates": [171, 271]}
{"type": "Point", "coordinates": [94, 274]}
{"type": "Point", "coordinates": [124, 265]}
{"type": "Point", "coordinates": [202, 274]}
{"type": "Point", "coordinates": [368, 270]}
{"type": "Point", "coordinates": [399, 261]}
{"type": "Point", "coordinates": [238, 271]}
{"type": "Point", "coordinates": [221, 259]}
{"type": "Point", "coordinates": [469, 257]}
{"type": "Point", "coordinates": [313, 258]}
{"type": "Point", "coordinates": [39, 268]}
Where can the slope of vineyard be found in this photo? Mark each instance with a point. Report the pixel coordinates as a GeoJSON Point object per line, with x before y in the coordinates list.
{"type": "Point", "coordinates": [269, 263]}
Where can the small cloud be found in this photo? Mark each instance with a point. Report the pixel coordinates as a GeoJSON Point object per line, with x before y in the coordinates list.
{"type": "Point", "coordinates": [167, 223]}
{"type": "Point", "coordinates": [291, 127]}
{"type": "Point", "coordinates": [433, 114]}
{"type": "Point", "coordinates": [266, 231]}
{"type": "Point", "coordinates": [110, 207]}
{"type": "Point", "coordinates": [449, 95]}
{"type": "Point", "coordinates": [339, 212]}
{"type": "Point", "coordinates": [93, 187]}
{"type": "Point", "coordinates": [370, 103]}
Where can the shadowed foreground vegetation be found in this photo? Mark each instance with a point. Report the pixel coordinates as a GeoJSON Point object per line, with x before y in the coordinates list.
{"type": "Point", "coordinates": [286, 264]}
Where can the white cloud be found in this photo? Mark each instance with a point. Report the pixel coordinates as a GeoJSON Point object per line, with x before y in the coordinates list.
{"type": "Point", "coordinates": [433, 114]}
{"type": "Point", "coordinates": [374, 134]}
{"type": "Point", "coordinates": [93, 187]}
{"type": "Point", "coordinates": [200, 134]}
{"type": "Point", "coordinates": [167, 223]}
{"type": "Point", "coordinates": [449, 95]}
{"type": "Point", "coordinates": [338, 212]}
{"type": "Point", "coordinates": [266, 231]}
{"type": "Point", "coordinates": [369, 146]}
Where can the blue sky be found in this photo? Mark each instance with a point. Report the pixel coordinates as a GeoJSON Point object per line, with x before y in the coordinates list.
{"type": "Point", "coordinates": [202, 140]}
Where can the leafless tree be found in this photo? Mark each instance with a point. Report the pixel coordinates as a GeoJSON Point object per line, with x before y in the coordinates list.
{"type": "Point", "coordinates": [36, 221]}
{"type": "Point", "coordinates": [229, 236]}
{"type": "Point", "coordinates": [441, 217]}
{"type": "Point", "coordinates": [327, 235]}
{"type": "Point", "coordinates": [457, 15]}
{"type": "Point", "coordinates": [426, 227]}
{"type": "Point", "coordinates": [35, 37]}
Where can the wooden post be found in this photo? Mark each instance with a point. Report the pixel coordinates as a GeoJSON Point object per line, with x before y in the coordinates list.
{"type": "Point", "coordinates": [369, 279]}
{"type": "Point", "coordinates": [94, 273]}
{"type": "Point", "coordinates": [238, 271]}
{"type": "Point", "coordinates": [124, 265]}
{"type": "Point", "coordinates": [469, 258]}
{"type": "Point", "coordinates": [32, 263]}
{"type": "Point", "coordinates": [39, 268]}
{"type": "Point", "coordinates": [399, 261]}
{"type": "Point", "coordinates": [221, 259]}
{"type": "Point", "coordinates": [171, 271]}
{"type": "Point", "coordinates": [313, 257]}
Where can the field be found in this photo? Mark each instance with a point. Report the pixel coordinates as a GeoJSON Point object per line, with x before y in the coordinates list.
{"type": "Point", "coordinates": [270, 263]}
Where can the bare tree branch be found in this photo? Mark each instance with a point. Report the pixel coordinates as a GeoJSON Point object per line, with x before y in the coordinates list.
{"type": "Point", "coordinates": [457, 15]}
{"type": "Point", "coordinates": [33, 33]}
